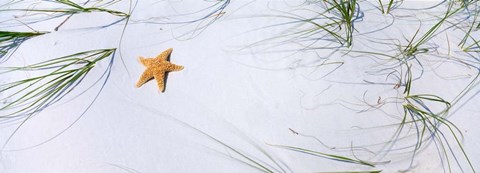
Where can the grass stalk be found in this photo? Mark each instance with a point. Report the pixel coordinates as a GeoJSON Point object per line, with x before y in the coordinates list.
{"type": "Point", "coordinates": [388, 8]}
{"type": "Point", "coordinates": [326, 155]}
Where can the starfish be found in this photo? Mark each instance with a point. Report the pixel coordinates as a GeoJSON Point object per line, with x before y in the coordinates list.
{"type": "Point", "coordinates": [157, 68]}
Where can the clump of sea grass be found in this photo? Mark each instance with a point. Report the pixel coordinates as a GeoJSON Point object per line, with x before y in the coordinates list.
{"type": "Point", "coordinates": [24, 98]}
{"type": "Point", "coordinates": [471, 42]}
{"type": "Point", "coordinates": [428, 123]}
{"type": "Point", "coordinates": [66, 8]}
{"type": "Point", "coordinates": [10, 41]}
{"type": "Point", "coordinates": [345, 14]}
{"type": "Point", "coordinates": [318, 25]}
{"type": "Point", "coordinates": [413, 46]}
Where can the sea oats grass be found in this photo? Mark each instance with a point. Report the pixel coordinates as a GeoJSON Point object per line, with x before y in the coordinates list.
{"type": "Point", "coordinates": [26, 97]}
{"type": "Point", "coordinates": [11, 40]}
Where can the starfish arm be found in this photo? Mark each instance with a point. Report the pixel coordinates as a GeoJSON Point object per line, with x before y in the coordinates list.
{"type": "Point", "coordinates": [143, 60]}
{"type": "Point", "coordinates": [160, 77]}
{"type": "Point", "coordinates": [174, 67]}
{"type": "Point", "coordinates": [165, 54]}
{"type": "Point", "coordinates": [146, 76]}
{"type": "Point", "coordinates": [146, 61]}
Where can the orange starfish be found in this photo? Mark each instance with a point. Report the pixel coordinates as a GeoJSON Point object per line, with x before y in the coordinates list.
{"type": "Point", "coordinates": [157, 68]}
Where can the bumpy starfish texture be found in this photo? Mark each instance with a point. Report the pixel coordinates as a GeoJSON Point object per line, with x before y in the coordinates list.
{"type": "Point", "coordinates": [156, 68]}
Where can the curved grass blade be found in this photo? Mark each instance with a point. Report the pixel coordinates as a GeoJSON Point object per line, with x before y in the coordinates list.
{"type": "Point", "coordinates": [327, 156]}
{"type": "Point", "coordinates": [207, 16]}
{"type": "Point", "coordinates": [216, 9]}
